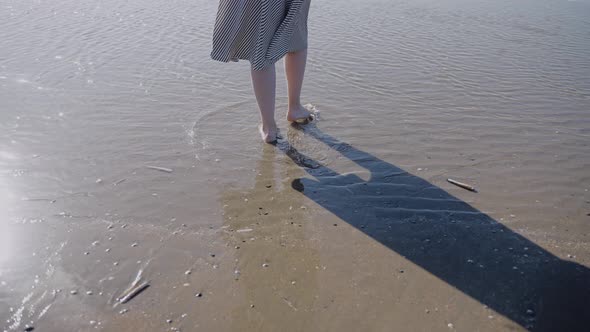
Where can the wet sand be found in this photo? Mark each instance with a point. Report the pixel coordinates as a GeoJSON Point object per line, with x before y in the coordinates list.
{"type": "Point", "coordinates": [348, 224]}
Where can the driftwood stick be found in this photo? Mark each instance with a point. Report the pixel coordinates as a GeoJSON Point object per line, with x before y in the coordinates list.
{"type": "Point", "coordinates": [133, 292]}
{"type": "Point", "coordinates": [158, 168]}
{"type": "Point", "coordinates": [462, 185]}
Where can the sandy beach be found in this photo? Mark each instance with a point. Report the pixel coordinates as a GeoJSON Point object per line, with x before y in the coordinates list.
{"type": "Point", "coordinates": [129, 158]}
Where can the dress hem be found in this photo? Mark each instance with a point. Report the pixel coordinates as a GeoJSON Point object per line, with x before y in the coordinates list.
{"type": "Point", "coordinates": [266, 63]}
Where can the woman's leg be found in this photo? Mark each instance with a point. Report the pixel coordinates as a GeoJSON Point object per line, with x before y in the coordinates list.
{"type": "Point", "coordinates": [295, 71]}
{"type": "Point", "coordinates": [264, 83]}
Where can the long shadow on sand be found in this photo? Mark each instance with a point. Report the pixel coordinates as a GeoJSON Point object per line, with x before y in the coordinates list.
{"type": "Point", "coordinates": [450, 239]}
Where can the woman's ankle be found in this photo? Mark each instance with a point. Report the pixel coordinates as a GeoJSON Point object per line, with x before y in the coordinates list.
{"type": "Point", "coordinates": [294, 106]}
{"type": "Point", "coordinates": [268, 127]}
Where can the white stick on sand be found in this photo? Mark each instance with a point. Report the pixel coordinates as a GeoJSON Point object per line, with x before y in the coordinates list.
{"type": "Point", "coordinates": [158, 168]}
{"type": "Point", "coordinates": [462, 185]}
{"type": "Point", "coordinates": [133, 292]}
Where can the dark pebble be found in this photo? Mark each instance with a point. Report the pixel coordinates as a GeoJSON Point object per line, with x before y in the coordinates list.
{"type": "Point", "coordinates": [29, 328]}
{"type": "Point", "coordinates": [297, 185]}
{"type": "Point", "coordinates": [335, 224]}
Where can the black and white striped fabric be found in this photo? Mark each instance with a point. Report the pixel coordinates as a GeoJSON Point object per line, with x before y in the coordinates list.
{"type": "Point", "coordinates": [261, 31]}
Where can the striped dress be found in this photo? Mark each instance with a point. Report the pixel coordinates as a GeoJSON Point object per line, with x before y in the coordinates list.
{"type": "Point", "coordinates": [260, 31]}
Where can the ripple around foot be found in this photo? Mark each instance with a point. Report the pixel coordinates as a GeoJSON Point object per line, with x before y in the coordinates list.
{"type": "Point", "coordinates": [228, 134]}
{"type": "Point", "coordinates": [231, 133]}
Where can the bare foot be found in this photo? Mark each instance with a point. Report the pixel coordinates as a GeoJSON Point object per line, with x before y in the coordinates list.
{"type": "Point", "coordinates": [269, 135]}
{"type": "Point", "coordinates": [298, 114]}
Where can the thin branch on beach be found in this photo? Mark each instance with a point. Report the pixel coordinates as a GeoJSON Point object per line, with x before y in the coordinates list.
{"type": "Point", "coordinates": [158, 168]}
{"type": "Point", "coordinates": [131, 293]}
{"type": "Point", "coordinates": [462, 185]}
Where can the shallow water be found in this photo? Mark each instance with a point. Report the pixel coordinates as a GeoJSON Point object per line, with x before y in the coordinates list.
{"type": "Point", "coordinates": [492, 93]}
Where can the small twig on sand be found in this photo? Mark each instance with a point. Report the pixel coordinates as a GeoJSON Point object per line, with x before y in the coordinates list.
{"type": "Point", "coordinates": [289, 303]}
{"type": "Point", "coordinates": [52, 200]}
{"type": "Point", "coordinates": [163, 169]}
{"type": "Point", "coordinates": [462, 185]}
{"type": "Point", "coordinates": [133, 292]}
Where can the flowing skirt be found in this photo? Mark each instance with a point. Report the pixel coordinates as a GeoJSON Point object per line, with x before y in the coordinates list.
{"type": "Point", "coordinates": [260, 31]}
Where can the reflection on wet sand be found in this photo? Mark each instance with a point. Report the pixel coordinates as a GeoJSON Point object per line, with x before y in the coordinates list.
{"type": "Point", "coordinates": [276, 263]}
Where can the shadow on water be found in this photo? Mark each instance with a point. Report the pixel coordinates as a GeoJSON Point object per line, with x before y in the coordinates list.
{"type": "Point", "coordinates": [450, 239]}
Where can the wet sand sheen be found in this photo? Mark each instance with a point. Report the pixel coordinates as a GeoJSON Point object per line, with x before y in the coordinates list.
{"type": "Point", "coordinates": [349, 224]}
